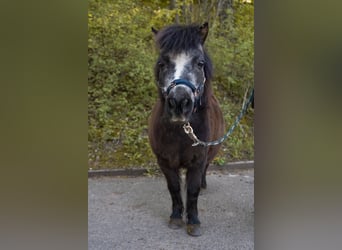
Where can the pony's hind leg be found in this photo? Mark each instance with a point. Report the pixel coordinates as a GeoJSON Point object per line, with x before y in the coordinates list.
{"type": "Point", "coordinates": [193, 181]}
{"type": "Point", "coordinates": [173, 184]}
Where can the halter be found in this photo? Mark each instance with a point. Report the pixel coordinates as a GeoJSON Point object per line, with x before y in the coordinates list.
{"type": "Point", "coordinates": [196, 91]}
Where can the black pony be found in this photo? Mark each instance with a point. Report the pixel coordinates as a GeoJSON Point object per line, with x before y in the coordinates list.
{"type": "Point", "coordinates": [183, 73]}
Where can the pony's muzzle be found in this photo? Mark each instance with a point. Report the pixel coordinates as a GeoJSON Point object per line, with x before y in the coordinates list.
{"type": "Point", "coordinates": [180, 104]}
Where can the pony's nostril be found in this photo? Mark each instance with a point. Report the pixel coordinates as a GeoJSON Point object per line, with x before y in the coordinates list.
{"type": "Point", "coordinates": [185, 102]}
{"type": "Point", "coordinates": [172, 102]}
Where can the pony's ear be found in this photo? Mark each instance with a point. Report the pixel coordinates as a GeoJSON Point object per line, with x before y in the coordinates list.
{"type": "Point", "coordinates": [154, 30]}
{"type": "Point", "coordinates": [204, 31]}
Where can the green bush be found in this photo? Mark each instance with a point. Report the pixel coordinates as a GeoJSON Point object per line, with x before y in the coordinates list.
{"type": "Point", "coordinates": [121, 87]}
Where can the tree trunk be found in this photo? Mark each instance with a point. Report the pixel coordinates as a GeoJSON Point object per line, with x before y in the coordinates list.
{"type": "Point", "coordinates": [173, 6]}
{"type": "Point", "coordinates": [222, 7]}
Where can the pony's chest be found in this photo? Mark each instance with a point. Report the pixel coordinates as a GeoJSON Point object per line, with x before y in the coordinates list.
{"type": "Point", "coordinates": [176, 148]}
{"type": "Point", "coordinates": [177, 157]}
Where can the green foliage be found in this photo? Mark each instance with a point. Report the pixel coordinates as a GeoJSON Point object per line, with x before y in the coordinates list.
{"type": "Point", "coordinates": [231, 46]}
{"type": "Point", "coordinates": [121, 88]}
{"type": "Point", "coordinates": [220, 161]}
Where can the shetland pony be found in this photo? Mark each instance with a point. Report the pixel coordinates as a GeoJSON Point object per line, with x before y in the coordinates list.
{"type": "Point", "coordinates": [183, 74]}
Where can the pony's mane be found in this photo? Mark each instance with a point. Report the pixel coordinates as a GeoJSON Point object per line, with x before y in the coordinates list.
{"type": "Point", "coordinates": [178, 38]}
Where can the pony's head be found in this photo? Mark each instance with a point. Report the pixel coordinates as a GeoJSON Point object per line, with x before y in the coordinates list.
{"type": "Point", "coordinates": [182, 69]}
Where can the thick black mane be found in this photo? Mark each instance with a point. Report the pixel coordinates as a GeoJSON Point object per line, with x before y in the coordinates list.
{"type": "Point", "coordinates": [177, 38]}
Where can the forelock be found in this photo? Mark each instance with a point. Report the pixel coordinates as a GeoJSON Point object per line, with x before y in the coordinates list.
{"type": "Point", "coordinates": [177, 38]}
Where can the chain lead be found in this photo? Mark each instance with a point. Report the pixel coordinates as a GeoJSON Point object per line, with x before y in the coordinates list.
{"type": "Point", "coordinates": [190, 132]}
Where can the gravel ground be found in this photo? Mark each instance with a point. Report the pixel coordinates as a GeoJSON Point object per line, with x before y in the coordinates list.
{"type": "Point", "coordinates": [132, 213]}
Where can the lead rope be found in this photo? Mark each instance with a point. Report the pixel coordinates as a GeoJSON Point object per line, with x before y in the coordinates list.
{"type": "Point", "coordinates": [190, 132]}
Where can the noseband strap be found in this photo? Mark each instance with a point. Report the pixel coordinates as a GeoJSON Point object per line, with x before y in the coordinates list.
{"type": "Point", "coordinates": [187, 83]}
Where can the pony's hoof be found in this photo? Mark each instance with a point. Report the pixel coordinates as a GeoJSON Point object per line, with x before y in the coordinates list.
{"type": "Point", "coordinates": [194, 230]}
{"type": "Point", "coordinates": [176, 223]}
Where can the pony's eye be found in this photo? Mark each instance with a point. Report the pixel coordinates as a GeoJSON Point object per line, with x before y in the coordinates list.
{"type": "Point", "coordinates": [161, 64]}
{"type": "Point", "coordinates": [200, 64]}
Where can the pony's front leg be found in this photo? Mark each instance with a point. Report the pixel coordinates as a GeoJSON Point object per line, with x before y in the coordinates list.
{"type": "Point", "coordinates": [193, 180]}
{"type": "Point", "coordinates": [204, 177]}
{"type": "Point", "coordinates": [173, 184]}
